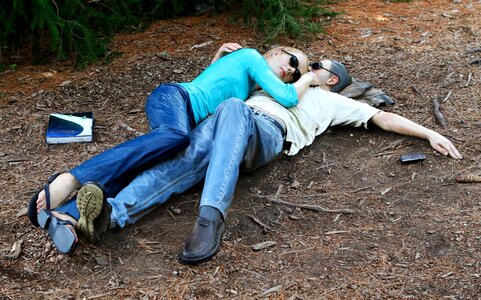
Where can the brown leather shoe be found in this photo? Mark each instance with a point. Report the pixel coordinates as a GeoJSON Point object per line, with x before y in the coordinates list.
{"type": "Point", "coordinates": [204, 242]}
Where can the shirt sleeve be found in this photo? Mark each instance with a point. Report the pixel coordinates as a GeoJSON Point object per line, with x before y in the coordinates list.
{"type": "Point", "coordinates": [351, 112]}
{"type": "Point", "coordinates": [261, 73]}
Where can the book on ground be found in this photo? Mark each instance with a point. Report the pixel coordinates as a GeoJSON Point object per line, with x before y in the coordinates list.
{"type": "Point", "coordinates": [70, 128]}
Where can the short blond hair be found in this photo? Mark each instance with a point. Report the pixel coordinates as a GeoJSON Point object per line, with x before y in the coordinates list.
{"type": "Point", "coordinates": [290, 50]}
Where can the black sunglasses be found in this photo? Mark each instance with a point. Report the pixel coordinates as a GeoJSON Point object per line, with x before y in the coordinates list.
{"type": "Point", "coordinates": [294, 62]}
{"type": "Point", "coordinates": [318, 65]}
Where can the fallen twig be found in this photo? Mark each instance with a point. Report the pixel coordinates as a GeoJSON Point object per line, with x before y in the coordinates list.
{"type": "Point", "coordinates": [296, 251]}
{"type": "Point", "coordinates": [418, 91]}
{"type": "Point", "coordinates": [470, 75]}
{"type": "Point", "coordinates": [11, 160]}
{"type": "Point", "coordinates": [391, 146]}
{"type": "Point", "coordinates": [99, 296]}
{"type": "Point", "coordinates": [474, 62]}
{"type": "Point", "coordinates": [473, 50]}
{"type": "Point", "coordinates": [200, 45]}
{"type": "Point", "coordinates": [449, 94]}
{"type": "Point", "coordinates": [438, 114]}
{"type": "Point", "coordinates": [362, 189]}
{"type": "Point", "coordinates": [266, 228]}
{"type": "Point", "coordinates": [336, 232]}
{"type": "Point", "coordinates": [384, 153]}
{"type": "Point", "coordinates": [307, 206]}
{"type": "Point", "coordinates": [325, 166]}
{"type": "Point", "coordinates": [279, 190]}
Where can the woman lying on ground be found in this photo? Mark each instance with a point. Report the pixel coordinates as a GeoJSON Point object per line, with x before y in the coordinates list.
{"type": "Point", "coordinates": [173, 110]}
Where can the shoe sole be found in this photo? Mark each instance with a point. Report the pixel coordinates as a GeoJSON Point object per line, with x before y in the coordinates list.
{"type": "Point", "coordinates": [90, 199]}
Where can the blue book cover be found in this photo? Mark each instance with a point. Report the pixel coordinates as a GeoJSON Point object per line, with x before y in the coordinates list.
{"type": "Point", "coordinates": [69, 128]}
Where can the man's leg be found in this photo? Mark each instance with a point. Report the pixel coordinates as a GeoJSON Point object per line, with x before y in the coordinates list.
{"type": "Point", "coordinates": [156, 185]}
{"type": "Point", "coordinates": [235, 129]}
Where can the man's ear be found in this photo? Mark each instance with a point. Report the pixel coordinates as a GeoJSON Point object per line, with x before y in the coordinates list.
{"type": "Point", "coordinates": [333, 80]}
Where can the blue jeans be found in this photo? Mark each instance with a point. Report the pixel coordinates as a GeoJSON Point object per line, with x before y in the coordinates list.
{"type": "Point", "coordinates": [171, 120]}
{"type": "Point", "coordinates": [217, 149]}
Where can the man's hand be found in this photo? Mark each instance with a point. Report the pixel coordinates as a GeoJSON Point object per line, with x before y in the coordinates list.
{"type": "Point", "coordinates": [226, 49]}
{"type": "Point", "coordinates": [443, 145]}
{"type": "Point", "coordinates": [396, 123]}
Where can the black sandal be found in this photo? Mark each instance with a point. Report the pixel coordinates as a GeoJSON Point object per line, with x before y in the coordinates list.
{"type": "Point", "coordinates": [32, 206]}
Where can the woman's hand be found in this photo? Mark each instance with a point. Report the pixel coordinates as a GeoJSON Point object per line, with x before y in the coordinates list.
{"type": "Point", "coordinates": [315, 80]}
{"type": "Point", "coordinates": [226, 49]}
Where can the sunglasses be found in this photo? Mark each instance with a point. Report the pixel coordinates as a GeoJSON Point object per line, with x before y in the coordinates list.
{"type": "Point", "coordinates": [293, 62]}
{"type": "Point", "coordinates": [318, 65]}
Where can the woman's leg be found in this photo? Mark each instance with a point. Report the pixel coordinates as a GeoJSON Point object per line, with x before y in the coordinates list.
{"type": "Point", "coordinates": [170, 117]}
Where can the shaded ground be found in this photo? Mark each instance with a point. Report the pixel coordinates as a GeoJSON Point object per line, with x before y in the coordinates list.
{"type": "Point", "coordinates": [415, 232]}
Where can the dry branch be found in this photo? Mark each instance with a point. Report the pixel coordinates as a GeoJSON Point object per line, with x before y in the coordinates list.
{"type": "Point", "coordinates": [474, 62]}
{"type": "Point", "coordinates": [307, 206]}
{"type": "Point", "coordinates": [438, 114]}
{"type": "Point", "coordinates": [473, 50]}
{"type": "Point", "coordinates": [266, 228]}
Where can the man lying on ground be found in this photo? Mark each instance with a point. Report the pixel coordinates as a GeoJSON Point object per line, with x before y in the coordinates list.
{"type": "Point", "coordinates": [238, 136]}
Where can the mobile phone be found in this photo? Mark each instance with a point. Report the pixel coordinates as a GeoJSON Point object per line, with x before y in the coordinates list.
{"type": "Point", "coordinates": [412, 157]}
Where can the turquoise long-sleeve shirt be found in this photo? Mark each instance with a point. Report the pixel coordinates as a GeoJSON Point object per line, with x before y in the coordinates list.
{"type": "Point", "coordinates": [235, 75]}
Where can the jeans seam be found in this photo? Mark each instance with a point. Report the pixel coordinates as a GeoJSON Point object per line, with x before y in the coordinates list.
{"type": "Point", "coordinates": [222, 189]}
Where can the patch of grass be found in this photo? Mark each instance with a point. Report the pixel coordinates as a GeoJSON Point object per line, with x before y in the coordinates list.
{"type": "Point", "coordinates": [4, 67]}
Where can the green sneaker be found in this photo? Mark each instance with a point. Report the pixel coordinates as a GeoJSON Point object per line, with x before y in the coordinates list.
{"type": "Point", "coordinates": [94, 211]}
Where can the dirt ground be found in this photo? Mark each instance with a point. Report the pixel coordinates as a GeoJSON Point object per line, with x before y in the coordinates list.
{"type": "Point", "coordinates": [414, 232]}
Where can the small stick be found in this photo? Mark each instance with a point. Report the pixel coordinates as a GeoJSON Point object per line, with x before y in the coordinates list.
{"type": "Point", "coordinates": [474, 62]}
{"type": "Point", "coordinates": [266, 228]}
{"type": "Point", "coordinates": [325, 166]}
{"type": "Point", "coordinates": [279, 190]}
{"type": "Point", "coordinates": [417, 91]}
{"type": "Point", "coordinates": [171, 214]}
{"type": "Point", "coordinates": [392, 145]}
{"type": "Point", "coordinates": [427, 120]}
{"type": "Point", "coordinates": [450, 92]}
{"type": "Point", "coordinates": [297, 251]}
{"type": "Point", "coordinates": [384, 153]}
{"type": "Point", "coordinates": [336, 232]}
{"type": "Point", "coordinates": [362, 189]}
{"type": "Point", "coordinates": [473, 50]}
{"type": "Point", "coordinates": [307, 206]}
{"type": "Point", "coordinates": [438, 114]}
{"type": "Point", "coordinates": [469, 79]}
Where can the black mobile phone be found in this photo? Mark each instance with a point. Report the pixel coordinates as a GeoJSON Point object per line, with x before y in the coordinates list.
{"type": "Point", "coordinates": [412, 157]}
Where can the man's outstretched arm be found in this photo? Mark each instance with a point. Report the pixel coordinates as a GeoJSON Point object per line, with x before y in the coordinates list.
{"type": "Point", "coordinates": [396, 123]}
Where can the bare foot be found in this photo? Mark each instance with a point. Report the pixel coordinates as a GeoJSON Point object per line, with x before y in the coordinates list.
{"type": "Point", "coordinates": [59, 189]}
{"type": "Point", "coordinates": [66, 217]}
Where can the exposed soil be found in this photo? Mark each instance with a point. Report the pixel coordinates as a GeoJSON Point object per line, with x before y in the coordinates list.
{"type": "Point", "coordinates": [414, 233]}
